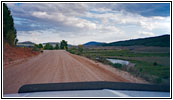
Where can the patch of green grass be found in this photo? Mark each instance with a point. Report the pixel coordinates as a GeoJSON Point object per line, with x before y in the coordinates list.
{"type": "Point", "coordinates": [123, 53]}
{"type": "Point", "coordinates": [150, 71]}
{"type": "Point", "coordinates": [117, 65]}
{"type": "Point", "coordinates": [165, 61]}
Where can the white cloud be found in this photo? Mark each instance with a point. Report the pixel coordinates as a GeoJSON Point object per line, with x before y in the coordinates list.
{"type": "Point", "coordinates": [76, 21]}
{"type": "Point", "coordinates": [65, 20]}
{"type": "Point", "coordinates": [143, 33]}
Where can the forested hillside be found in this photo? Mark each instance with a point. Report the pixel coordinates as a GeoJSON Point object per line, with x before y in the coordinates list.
{"type": "Point", "coordinates": [161, 41]}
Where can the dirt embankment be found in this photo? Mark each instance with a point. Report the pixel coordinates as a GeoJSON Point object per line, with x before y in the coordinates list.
{"type": "Point", "coordinates": [13, 54]}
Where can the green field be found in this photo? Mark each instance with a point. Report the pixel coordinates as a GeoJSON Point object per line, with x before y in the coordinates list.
{"type": "Point", "coordinates": [151, 66]}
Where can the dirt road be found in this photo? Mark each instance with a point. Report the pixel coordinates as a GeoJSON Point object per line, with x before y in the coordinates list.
{"type": "Point", "coordinates": [59, 66]}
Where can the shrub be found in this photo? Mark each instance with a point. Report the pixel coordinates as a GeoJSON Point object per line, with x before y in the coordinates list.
{"type": "Point", "coordinates": [57, 46]}
{"type": "Point", "coordinates": [80, 48]}
{"type": "Point", "coordinates": [155, 63]}
{"type": "Point", "coordinates": [117, 65]}
{"type": "Point", "coordinates": [35, 49]}
{"type": "Point", "coordinates": [48, 46]}
{"type": "Point", "coordinates": [40, 46]}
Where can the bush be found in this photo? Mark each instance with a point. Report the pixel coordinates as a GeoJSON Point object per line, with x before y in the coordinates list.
{"type": "Point", "coordinates": [48, 46]}
{"type": "Point", "coordinates": [40, 46]}
{"type": "Point", "coordinates": [80, 48]}
{"type": "Point", "coordinates": [35, 49]}
{"type": "Point", "coordinates": [102, 59]}
{"type": "Point", "coordinates": [155, 63]}
{"type": "Point", "coordinates": [117, 65]}
{"type": "Point", "coordinates": [71, 51]}
{"type": "Point", "coordinates": [57, 46]}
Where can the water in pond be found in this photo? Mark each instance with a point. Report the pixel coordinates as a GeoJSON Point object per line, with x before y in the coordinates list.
{"type": "Point", "coordinates": [123, 62]}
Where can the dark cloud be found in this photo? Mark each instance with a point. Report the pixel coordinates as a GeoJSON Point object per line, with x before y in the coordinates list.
{"type": "Point", "coordinates": [146, 9]}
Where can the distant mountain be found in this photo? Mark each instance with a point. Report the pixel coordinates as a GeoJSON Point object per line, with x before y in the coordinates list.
{"type": "Point", "coordinates": [92, 43]}
{"type": "Point", "coordinates": [52, 43]}
{"type": "Point", "coordinates": [161, 41]}
{"type": "Point", "coordinates": [26, 42]}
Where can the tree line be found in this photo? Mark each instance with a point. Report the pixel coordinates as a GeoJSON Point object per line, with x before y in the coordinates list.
{"type": "Point", "coordinates": [63, 45]}
{"type": "Point", "coordinates": [10, 33]}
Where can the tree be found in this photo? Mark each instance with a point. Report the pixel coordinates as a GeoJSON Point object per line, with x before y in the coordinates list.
{"type": "Point", "coordinates": [36, 45]}
{"type": "Point", "coordinates": [9, 32]}
{"type": "Point", "coordinates": [57, 46]}
{"type": "Point", "coordinates": [10, 37]}
{"type": "Point", "coordinates": [35, 48]}
{"type": "Point", "coordinates": [48, 46]}
{"type": "Point", "coordinates": [80, 48]}
{"type": "Point", "coordinates": [16, 40]}
{"type": "Point", "coordinates": [63, 45]}
{"type": "Point", "coordinates": [40, 46]}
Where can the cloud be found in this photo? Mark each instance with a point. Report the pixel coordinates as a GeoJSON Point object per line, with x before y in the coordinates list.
{"type": "Point", "coordinates": [143, 33]}
{"type": "Point", "coordinates": [145, 9]}
{"type": "Point", "coordinates": [83, 22]}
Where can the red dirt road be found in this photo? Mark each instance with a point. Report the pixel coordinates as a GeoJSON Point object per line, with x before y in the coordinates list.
{"type": "Point", "coordinates": [60, 66]}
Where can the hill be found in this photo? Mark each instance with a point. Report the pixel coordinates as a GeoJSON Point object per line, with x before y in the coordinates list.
{"type": "Point", "coordinates": [51, 43]}
{"type": "Point", "coordinates": [160, 41]}
{"type": "Point", "coordinates": [92, 43]}
{"type": "Point", "coordinates": [25, 44]}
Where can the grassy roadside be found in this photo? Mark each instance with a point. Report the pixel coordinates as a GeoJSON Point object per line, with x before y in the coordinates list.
{"type": "Point", "coordinates": [153, 72]}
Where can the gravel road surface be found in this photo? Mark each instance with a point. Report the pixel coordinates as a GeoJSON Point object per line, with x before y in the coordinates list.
{"type": "Point", "coordinates": [55, 66]}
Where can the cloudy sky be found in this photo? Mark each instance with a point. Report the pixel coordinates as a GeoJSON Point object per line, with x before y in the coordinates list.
{"type": "Point", "coordinates": [79, 23]}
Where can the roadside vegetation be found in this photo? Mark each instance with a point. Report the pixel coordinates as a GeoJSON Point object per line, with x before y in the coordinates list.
{"type": "Point", "coordinates": [63, 45]}
{"type": "Point", "coordinates": [152, 68]}
{"type": "Point", "coordinates": [12, 53]}
{"type": "Point", "coordinates": [9, 31]}
{"type": "Point", "coordinates": [10, 34]}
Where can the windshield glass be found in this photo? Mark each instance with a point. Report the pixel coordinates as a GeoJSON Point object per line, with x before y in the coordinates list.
{"type": "Point", "coordinates": [85, 42]}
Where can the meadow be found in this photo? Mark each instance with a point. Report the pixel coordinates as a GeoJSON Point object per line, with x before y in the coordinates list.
{"type": "Point", "coordinates": [152, 66]}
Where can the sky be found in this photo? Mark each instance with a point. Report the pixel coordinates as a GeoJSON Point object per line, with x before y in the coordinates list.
{"type": "Point", "coordinates": [79, 23]}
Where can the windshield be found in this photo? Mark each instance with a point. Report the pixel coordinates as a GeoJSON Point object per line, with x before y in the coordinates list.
{"type": "Point", "coordinates": [85, 42]}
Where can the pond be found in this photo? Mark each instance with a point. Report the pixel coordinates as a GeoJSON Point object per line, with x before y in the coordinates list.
{"type": "Point", "coordinates": [123, 62]}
